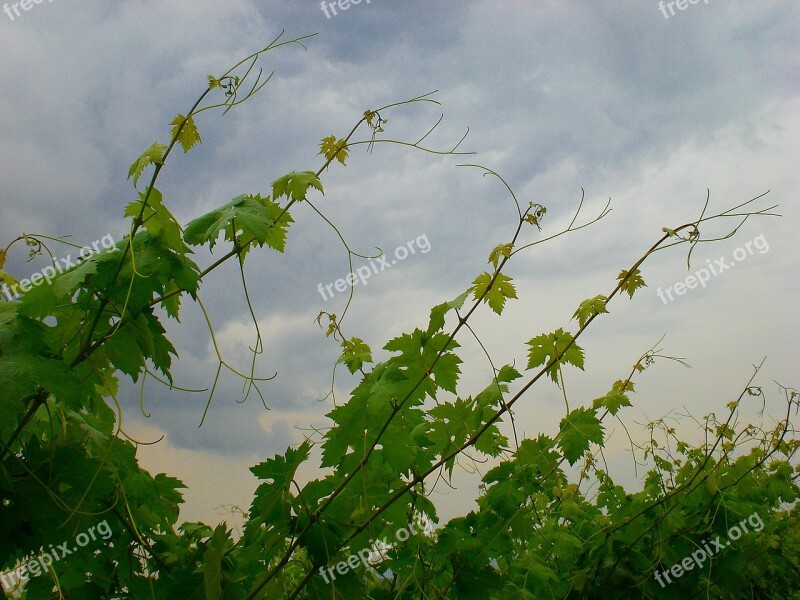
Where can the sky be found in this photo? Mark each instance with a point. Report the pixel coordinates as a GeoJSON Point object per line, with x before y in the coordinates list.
{"type": "Point", "coordinates": [654, 107]}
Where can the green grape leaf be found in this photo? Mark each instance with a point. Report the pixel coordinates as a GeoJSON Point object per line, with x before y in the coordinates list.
{"type": "Point", "coordinates": [7, 279]}
{"type": "Point", "coordinates": [188, 136]}
{"type": "Point", "coordinates": [538, 454]}
{"type": "Point", "coordinates": [243, 217]}
{"type": "Point", "coordinates": [546, 347]}
{"type": "Point", "coordinates": [280, 469]}
{"type": "Point", "coordinates": [613, 401]}
{"type": "Point", "coordinates": [453, 424]}
{"type": "Point", "coordinates": [436, 321]}
{"type": "Point", "coordinates": [630, 281]}
{"type": "Point", "coordinates": [440, 310]}
{"type": "Point", "coordinates": [491, 442]}
{"type": "Point", "coordinates": [473, 580]}
{"type": "Point", "coordinates": [272, 498]}
{"type": "Point", "coordinates": [8, 312]}
{"type": "Point", "coordinates": [577, 431]}
{"type": "Point", "coordinates": [140, 338]}
{"type": "Point", "coordinates": [446, 371]}
{"type": "Point", "coordinates": [68, 282]}
{"type": "Point", "coordinates": [399, 447]}
{"type": "Point", "coordinates": [493, 393]}
{"type": "Point", "coordinates": [623, 386]}
{"type": "Point", "coordinates": [124, 353]}
{"type": "Point", "coordinates": [25, 373]}
{"type": "Point", "coordinates": [172, 304]}
{"type": "Point", "coordinates": [508, 373]}
{"type": "Point", "coordinates": [330, 148]}
{"type": "Point", "coordinates": [457, 303]}
{"type": "Point", "coordinates": [356, 352]}
{"type": "Point", "coordinates": [589, 308]}
{"type": "Point", "coordinates": [501, 250]}
{"type": "Point", "coordinates": [212, 562]}
{"type": "Point", "coordinates": [295, 185]}
{"type": "Point", "coordinates": [157, 219]}
{"type": "Point", "coordinates": [419, 351]}
{"type": "Point", "coordinates": [154, 155]}
{"type": "Point", "coordinates": [500, 290]}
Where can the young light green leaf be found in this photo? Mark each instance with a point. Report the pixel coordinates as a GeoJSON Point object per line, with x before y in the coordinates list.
{"type": "Point", "coordinates": [157, 219]}
{"type": "Point", "coordinates": [355, 353]}
{"type": "Point", "coordinates": [153, 155]}
{"type": "Point", "coordinates": [492, 395]}
{"type": "Point", "coordinates": [369, 115]}
{"type": "Point", "coordinates": [330, 148]}
{"type": "Point", "coordinates": [535, 215]}
{"type": "Point", "coordinates": [501, 250]}
{"type": "Point", "coordinates": [589, 308]}
{"type": "Point", "coordinates": [631, 281]}
{"type": "Point", "coordinates": [500, 290]}
{"type": "Point", "coordinates": [295, 185]}
{"type": "Point", "coordinates": [7, 279]}
{"type": "Point", "coordinates": [188, 136]}
{"type": "Point", "coordinates": [440, 310]}
{"type": "Point", "coordinates": [436, 321]}
{"type": "Point", "coordinates": [243, 217]}
{"type": "Point", "coordinates": [546, 347]}
{"type": "Point", "coordinates": [457, 303]}
{"type": "Point", "coordinates": [613, 401]}
{"type": "Point", "coordinates": [508, 373]}
{"type": "Point", "coordinates": [623, 386]}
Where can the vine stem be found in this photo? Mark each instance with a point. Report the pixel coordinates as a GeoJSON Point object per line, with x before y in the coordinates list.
{"type": "Point", "coordinates": [419, 478]}
{"type": "Point", "coordinates": [396, 408]}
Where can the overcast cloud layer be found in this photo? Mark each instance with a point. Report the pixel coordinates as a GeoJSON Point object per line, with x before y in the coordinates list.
{"type": "Point", "coordinates": [612, 97]}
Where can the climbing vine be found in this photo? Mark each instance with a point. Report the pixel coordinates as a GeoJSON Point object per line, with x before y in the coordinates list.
{"type": "Point", "coordinates": [549, 523]}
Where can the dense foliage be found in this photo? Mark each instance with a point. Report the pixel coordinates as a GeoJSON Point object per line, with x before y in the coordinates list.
{"type": "Point", "coordinates": [550, 522]}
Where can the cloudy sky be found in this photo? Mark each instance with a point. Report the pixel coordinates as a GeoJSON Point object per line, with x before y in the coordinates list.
{"type": "Point", "coordinates": [623, 99]}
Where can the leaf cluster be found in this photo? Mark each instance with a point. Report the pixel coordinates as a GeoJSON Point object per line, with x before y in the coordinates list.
{"type": "Point", "coordinates": [549, 521]}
